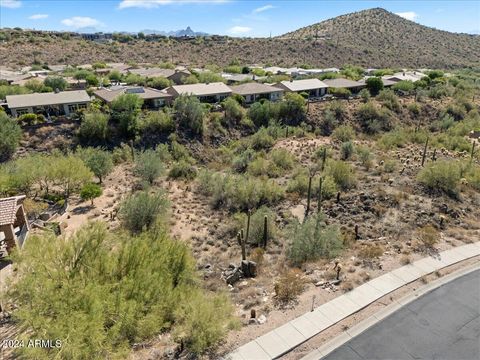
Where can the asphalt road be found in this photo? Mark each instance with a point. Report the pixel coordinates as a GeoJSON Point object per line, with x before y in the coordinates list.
{"type": "Point", "coordinates": [443, 324]}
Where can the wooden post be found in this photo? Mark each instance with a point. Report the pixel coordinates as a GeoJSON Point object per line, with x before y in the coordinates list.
{"type": "Point", "coordinates": [249, 213]}
{"type": "Point", "coordinates": [473, 151]}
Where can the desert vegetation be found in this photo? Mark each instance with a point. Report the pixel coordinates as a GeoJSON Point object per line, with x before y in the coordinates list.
{"type": "Point", "coordinates": [170, 214]}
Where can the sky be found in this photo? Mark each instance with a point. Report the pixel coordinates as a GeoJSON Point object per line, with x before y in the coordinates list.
{"type": "Point", "coordinates": [230, 17]}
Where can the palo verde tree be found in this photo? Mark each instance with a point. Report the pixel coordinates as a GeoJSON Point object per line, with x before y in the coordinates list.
{"type": "Point", "coordinates": [101, 292]}
{"type": "Point", "coordinates": [97, 160]}
{"type": "Point", "coordinates": [189, 113]}
{"type": "Point", "coordinates": [125, 110]}
{"type": "Point", "coordinates": [10, 135]}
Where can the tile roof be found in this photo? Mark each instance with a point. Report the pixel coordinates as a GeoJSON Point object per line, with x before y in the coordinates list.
{"type": "Point", "coordinates": [302, 85]}
{"type": "Point", "coordinates": [42, 99]}
{"type": "Point", "coordinates": [8, 209]}
{"type": "Point", "coordinates": [342, 83]}
{"type": "Point", "coordinates": [202, 89]}
{"type": "Point", "coordinates": [157, 72]}
{"type": "Point", "coordinates": [145, 93]}
{"type": "Point", "coordinates": [254, 88]}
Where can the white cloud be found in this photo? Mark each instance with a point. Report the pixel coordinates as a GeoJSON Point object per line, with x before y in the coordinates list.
{"type": "Point", "coordinates": [239, 30]}
{"type": "Point", "coordinates": [148, 4]}
{"type": "Point", "coordinates": [12, 4]}
{"type": "Point", "coordinates": [38, 16]}
{"type": "Point", "coordinates": [409, 15]}
{"type": "Point", "coordinates": [78, 22]}
{"type": "Point", "coordinates": [263, 8]}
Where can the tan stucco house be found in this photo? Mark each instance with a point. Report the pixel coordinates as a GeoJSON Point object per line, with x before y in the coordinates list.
{"type": "Point", "coordinates": [55, 104]}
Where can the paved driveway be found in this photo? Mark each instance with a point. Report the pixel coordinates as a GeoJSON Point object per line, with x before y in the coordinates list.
{"type": "Point", "coordinates": [443, 324]}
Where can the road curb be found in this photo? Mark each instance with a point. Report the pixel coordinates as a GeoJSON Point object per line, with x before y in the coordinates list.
{"type": "Point", "coordinates": [364, 325]}
{"type": "Point", "coordinates": [274, 344]}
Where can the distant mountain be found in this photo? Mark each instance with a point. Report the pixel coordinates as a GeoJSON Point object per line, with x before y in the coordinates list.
{"type": "Point", "coordinates": [179, 33]}
{"type": "Point", "coordinates": [372, 38]}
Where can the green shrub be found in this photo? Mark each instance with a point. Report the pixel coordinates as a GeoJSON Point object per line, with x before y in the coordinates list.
{"type": "Point", "coordinates": [344, 133]}
{"type": "Point", "coordinates": [125, 110]}
{"type": "Point", "coordinates": [238, 192]}
{"type": "Point", "coordinates": [373, 119]}
{"type": "Point", "coordinates": [313, 240]}
{"type": "Point", "coordinates": [441, 176]}
{"type": "Point", "coordinates": [328, 123]}
{"type": "Point", "coordinates": [10, 135]}
{"type": "Point", "coordinates": [148, 166]}
{"type": "Point", "coordinates": [234, 113]}
{"type": "Point", "coordinates": [122, 154]}
{"type": "Point", "coordinates": [346, 150]}
{"type": "Point", "coordinates": [374, 85]}
{"type": "Point", "coordinates": [140, 211]}
{"type": "Point", "coordinates": [389, 99]}
{"type": "Point", "coordinates": [189, 113]}
{"type": "Point", "coordinates": [338, 109]}
{"type": "Point", "coordinates": [342, 173]}
{"type": "Point", "coordinates": [94, 127]}
{"type": "Point", "coordinates": [257, 220]}
{"type": "Point", "coordinates": [263, 167]}
{"type": "Point", "coordinates": [299, 184]}
{"type": "Point", "coordinates": [364, 95]}
{"type": "Point", "coordinates": [182, 169]}
{"type": "Point", "coordinates": [110, 291]}
{"type": "Point", "coordinates": [55, 82]}
{"type": "Point", "coordinates": [365, 156]}
{"type": "Point", "coordinates": [292, 110]}
{"type": "Point", "coordinates": [404, 85]}
{"type": "Point", "coordinates": [282, 158]}
{"type": "Point", "coordinates": [240, 162]}
{"type": "Point", "coordinates": [261, 113]}
{"type": "Point", "coordinates": [90, 192]}
{"type": "Point", "coordinates": [393, 139]}
{"type": "Point", "coordinates": [157, 121]}
{"type": "Point", "coordinates": [98, 161]}
{"type": "Point", "coordinates": [159, 83]}
{"type": "Point", "coordinates": [262, 140]}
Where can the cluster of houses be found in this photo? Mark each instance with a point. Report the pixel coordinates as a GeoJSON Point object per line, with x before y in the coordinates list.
{"type": "Point", "coordinates": [68, 102]}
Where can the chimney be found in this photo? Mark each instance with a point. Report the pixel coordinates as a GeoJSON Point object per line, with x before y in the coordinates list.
{"type": "Point", "coordinates": [404, 73]}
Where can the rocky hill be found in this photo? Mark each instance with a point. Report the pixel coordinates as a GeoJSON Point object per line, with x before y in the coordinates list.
{"type": "Point", "coordinates": [370, 38]}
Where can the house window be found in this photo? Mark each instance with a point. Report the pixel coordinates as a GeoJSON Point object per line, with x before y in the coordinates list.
{"type": "Point", "coordinates": [82, 106]}
{"type": "Point", "coordinates": [72, 108]}
{"type": "Point", "coordinates": [22, 111]}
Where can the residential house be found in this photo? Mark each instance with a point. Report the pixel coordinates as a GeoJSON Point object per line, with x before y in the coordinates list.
{"type": "Point", "coordinates": [55, 103]}
{"type": "Point", "coordinates": [175, 75]}
{"type": "Point", "coordinates": [341, 83]}
{"type": "Point", "coordinates": [252, 92]}
{"type": "Point", "coordinates": [412, 76]}
{"type": "Point", "coordinates": [210, 92]}
{"type": "Point", "coordinates": [313, 87]}
{"type": "Point", "coordinates": [14, 226]}
{"type": "Point", "coordinates": [152, 98]}
{"type": "Point", "coordinates": [237, 78]}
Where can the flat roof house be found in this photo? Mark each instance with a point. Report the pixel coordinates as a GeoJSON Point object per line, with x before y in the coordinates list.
{"type": "Point", "coordinates": [211, 92]}
{"type": "Point", "coordinates": [341, 83]}
{"type": "Point", "coordinates": [56, 104]}
{"type": "Point", "coordinates": [252, 92]}
{"type": "Point", "coordinates": [13, 224]}
{"type": "Point", "coordinates": [314, 87]}
{"type": "Point", "coordinates": [152, 98]}
{"type": "Point", "coordinates": [175, 75]}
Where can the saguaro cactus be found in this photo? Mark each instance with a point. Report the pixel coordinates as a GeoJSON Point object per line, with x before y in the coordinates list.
{"type": "Point", "coordinates": [307, 210]}
{"type": "Point", "coordinates": [424, 151]}
{"type": "Point", "coordinates": [434, 155]}
{"type": "Point", "coordinates": [319, 205]}
{"type": "Point", "coordinates": [357, 235]}
{"type": "Point", "coordinates": [265, 231]}
{"type": "Point", "coordinates": [324, 158]}
{"type": "Point", "coordinates": [249, 213]}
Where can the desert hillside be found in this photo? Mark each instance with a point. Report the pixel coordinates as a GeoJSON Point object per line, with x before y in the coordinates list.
{"type": "Point", "coordinates": [370, 38]}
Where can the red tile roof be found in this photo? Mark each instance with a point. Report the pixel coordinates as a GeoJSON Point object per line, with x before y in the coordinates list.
{"type": "Point", "coordinates": [8, 209]}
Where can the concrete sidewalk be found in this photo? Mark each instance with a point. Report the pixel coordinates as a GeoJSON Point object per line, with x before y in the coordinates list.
{"type": "Point", "coordinates": [290, 335]}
